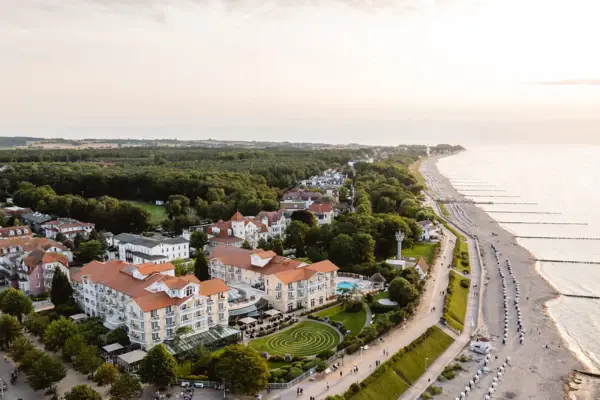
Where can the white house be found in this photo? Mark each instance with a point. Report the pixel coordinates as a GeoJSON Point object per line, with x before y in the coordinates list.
{"type": "Point", "coordinates": [239, 228]}
{"type": "Point", "coordinates": [15, 231]}
{"type": "Point", "coordinates": [323, 212]}
{"type": "Point", "coordinates": [150, 300]}
{"type": "Point", "coordinates": [429, 230]}
{"type": "Point", "coordinates": [422, 268]}
{"type": "Point", "coordinates": [137, 249]}
{"type": "Point", "coordinates": [68, 227]}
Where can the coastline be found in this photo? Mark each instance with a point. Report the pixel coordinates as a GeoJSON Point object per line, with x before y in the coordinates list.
{"type": "Point", "coordinates": [544, 364]}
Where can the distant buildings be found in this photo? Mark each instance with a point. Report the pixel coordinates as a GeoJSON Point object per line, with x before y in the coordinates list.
{"type": "Point", "coordinates": [239, 228]}
{"type": "Point", "coordinates": [67, 227]}
{"type": "Point", "coordinates": [152, 302]}
{"type": "Point", "coordinates": [429, 231]}
{"type": "Point", "coordinates": [323, 212]}
{"type": "Point", "coordinates": [35, 220]}
{"type": "Point", "coordinates": [14, 211]}
{"type": "Point", "coordinates": [15, 231]}
{"type": "Point", "coordinates": [136, 249]}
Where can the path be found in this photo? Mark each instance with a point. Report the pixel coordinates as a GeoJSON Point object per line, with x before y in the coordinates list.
{"type": "Point", "coordinates": [394, 340]}
{"type": "Point", "coordinates": [369, 315]}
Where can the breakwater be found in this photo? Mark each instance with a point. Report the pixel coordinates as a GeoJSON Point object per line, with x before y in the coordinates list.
{"type": "Point", "coordinates": [489, 195]}
{"type": "Point", "coordinates": [558, 237]}
{"type": "Point", "coordinates": [542, 223]}
{"type": "Point", "coordinates": [568, 261]}
{"type": "Point", "coordinates": [523, 212]}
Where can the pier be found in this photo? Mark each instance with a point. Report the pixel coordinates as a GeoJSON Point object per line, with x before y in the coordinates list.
{"type": "Point", "coordinates": [558, 237]}
{"type": "Point", "coordinates": [483, 190]}
{"type": "Point", "coordinates": [580, 296]}
{"type": "Point", "coordinates": [480, 185]}
{"type": "Point", "coordinates": [468, 201]}
{"type": "Point", "coordinates": [542, 223]}
{"type": "Point", "coordinates": [568, 261]}
{"type": "Point", "coordinates": [524, 212]}
{"type": "Point", "coordinates": [490, 195]}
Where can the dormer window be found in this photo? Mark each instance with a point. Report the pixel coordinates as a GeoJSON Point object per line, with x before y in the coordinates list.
{"type": "Point", "coordinates": [189, 290]}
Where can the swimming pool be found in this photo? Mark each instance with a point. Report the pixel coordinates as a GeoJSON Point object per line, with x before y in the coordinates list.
{"type": "Point", "coordinates": [344, 285]}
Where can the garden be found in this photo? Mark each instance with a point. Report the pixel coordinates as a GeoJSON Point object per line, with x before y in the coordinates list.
{"type": "Point", "coordinates": [352, 320]}
{"type": "Point", "coordinates": [455, 302]}
{"type": "Point", "coordinates": [426, 250]}
{"type": "Point", "coordinates": [304, 339]}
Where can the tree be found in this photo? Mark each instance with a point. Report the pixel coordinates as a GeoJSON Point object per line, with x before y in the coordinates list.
{"type": "Point", "coordinates": [88, 360]}
{"type": "Point", "coordinates": [126, 387]}
{"type": "Point", "coordinates": [58, 332]}
{"type": "Point", "coordinates": [19, 347]}
{"type": "Point", "coordinates": [10, 329]}
{"type": "Point", "coordinates": [15, 303]}
{"type": "Point", "coordinates": [411, 274]}
{"type": "Point", "coordinates": [158, 367]}
{"type": "Point", "coordinates": [82, 392]}
{"type": "Point", "coordinates": [295, 234]}
{"type": "Point", "coordinates": [73, 346]}
{"type": "Point", "coordinates": [341, 251]}
{"type": "Point", "coordinates": [202, 357]}
{"type": "Point", "coordinates": [201, 268]}
{"type": "Point", "coordinates": [263, 244]}
{"type": "Point", "coordinates": [45, 372]}
{"type": "Point", "coordinates": [304, 216]}
{"type": "Point", "coordinates": [198, 240]}
{"type": "Point", "coordinates": [181, 268]}
{"type": "Point", "coordinates": [106, 374]}
{"type": "Point", "coordinates": [201, 207]}
{"type": "Point", "coordinates": [62, 291]}
{"type": "Point", "coordinates": [90, 251]}
{"type": "Point", "coordinates": [278, 246]}
{"type": "Point", "coordinates": [242, 369]}
{"type": "Point", "coordinates": [118, 335]}
{"type": "Point", "coordinates": [364, 248]}
{"type": "Point", "coordinates": [246, 245]}
{"type": "Point", "coordinates": [36, 324]}
{"type": "Point", "coordinates": [402, 292]}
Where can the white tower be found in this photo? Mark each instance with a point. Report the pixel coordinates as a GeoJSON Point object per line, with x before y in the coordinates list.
{"type": "Point", "coordinates": [399, 238]}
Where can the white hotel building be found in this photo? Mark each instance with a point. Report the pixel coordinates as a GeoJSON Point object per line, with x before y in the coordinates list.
{"type": "Point", "coordinates": [150, 300]}
{"type": "Point", "coordinates": [136, 249]}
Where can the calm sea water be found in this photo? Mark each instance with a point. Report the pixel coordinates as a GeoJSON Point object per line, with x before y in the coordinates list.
{"type": "Point", "coordinates": [561, 179]}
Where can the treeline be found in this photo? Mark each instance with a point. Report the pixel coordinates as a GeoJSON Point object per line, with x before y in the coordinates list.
{"type": "Point", "coordinates": [106, 212]}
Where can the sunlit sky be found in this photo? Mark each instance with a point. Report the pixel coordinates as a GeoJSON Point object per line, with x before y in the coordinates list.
{"type": "Point", "coordinates": [322, 70]}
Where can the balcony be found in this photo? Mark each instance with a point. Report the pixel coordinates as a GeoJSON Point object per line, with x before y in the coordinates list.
{"type": "Point", "coordinates": [211, 324]}
{"type": "Point", "coordinates": [155, 328]}
{"type": "Point", "coordinates": [154, 317]}
{"type": "Point", "coordinates": [170, 313]}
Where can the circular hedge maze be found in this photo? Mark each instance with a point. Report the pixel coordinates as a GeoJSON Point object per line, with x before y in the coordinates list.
{"type": "Point", "coordinates": [305, 339]}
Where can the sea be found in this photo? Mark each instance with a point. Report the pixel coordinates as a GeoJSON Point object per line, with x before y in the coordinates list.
{"type": "Point", "coordinates": [562, 181]}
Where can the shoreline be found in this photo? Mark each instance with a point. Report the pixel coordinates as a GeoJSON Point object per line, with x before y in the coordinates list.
{"type": "Point", "coordinates": [544, 365]}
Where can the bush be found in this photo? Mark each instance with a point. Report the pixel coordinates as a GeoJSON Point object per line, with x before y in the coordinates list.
{"type": "Point", "coordinates": [434, 390]}
{"type": "Point", "coordinates": [276, 357]}
{"type": "Point", "coordinates": [354, 306]}
{"type": "Point", "coordinates": [310, 364]}
{"type": "Point", "coordinates": [324, 355]}
{"type": "Point", "coordinates": [195, 378]}
{"type": "Point", "coordinates": [293, 373]}
{"type": "Point", "coordinates": [464, 283]}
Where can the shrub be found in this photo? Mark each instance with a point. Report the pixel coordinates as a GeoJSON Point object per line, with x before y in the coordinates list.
{"type": "Point", "coordinates": [354, 306]}
{"type": "Point", "coordinates": [464, 283]}
{"type": "Point", "coordinates": [277, 373]}
{"type": "Point", "coordinates": [434, 390]}
{"type": "Point", "coordinates": [288, 357]}
{"type": "Point", "coordinates": [293, 373]}
{"type": "Point", "coordinates": [276, 357]}
{"type": "Point", "coordinates": [310, 364]}
{"type": "Point", "coordinates": [324, 355]}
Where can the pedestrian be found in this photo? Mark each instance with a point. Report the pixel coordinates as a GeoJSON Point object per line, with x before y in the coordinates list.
{"type": "Point", "coordinates": [301, 391]}
{"type": "Point", "coordinates": [327, 385]}
{"type": "Point", "coordinates": [341, 373]}
{"type": "Point", "coordinates": [297, 391]}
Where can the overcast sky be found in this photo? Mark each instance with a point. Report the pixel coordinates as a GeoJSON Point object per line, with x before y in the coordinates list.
{"type": "Point", "coordinates": [301, 70]}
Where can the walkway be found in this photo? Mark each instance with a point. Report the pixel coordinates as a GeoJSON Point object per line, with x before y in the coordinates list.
{"type": "Point", "coordinates": [394, 340]}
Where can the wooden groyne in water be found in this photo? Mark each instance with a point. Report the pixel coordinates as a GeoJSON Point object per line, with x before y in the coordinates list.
{"type": "Point", "coordinates": [483, 190]}
{"type": "Point", "coordinates": [467, 201]}
{"type": "Point", "coordinates": [558, 237]}
{"type": "Point", "coordinates": [580, 296]}
{"type": "Point", "coordinates": [568, 261]}
{"type": "Point", "coordinates": [523, 212]}
{"type": "Point", "coordinates": [491, 195]}
{"type": "Point", "coordinates": [542, 223]}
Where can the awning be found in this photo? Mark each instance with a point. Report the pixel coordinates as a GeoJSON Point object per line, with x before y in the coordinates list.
{"type": "Point", "coordinates": [78, 317]}
{"type": "Point", "coordinates": [272, 312]}
{"type": "Point", "coordinates": [132, 357]}
{"type": "Point", "coordinates": [112, 347]}
{"type": "Point", "coordinates": [247, 320]}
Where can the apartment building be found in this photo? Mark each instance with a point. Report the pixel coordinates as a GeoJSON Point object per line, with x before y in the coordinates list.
{"type": "Point", "coordinates": [136, 249]}
{"type": "Point", "coordinates": [67, 227]}
{"type": "Point", "coordinates": [287, 284]}
{"type": "Point", "coordinates": [239, 228]}
{"type": "Point", "coordinates": [150, 300]}
{"type": "Point", "coordinates": [15, 231]}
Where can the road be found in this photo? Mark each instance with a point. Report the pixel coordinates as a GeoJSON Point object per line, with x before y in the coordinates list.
{"type": "Point", "coordinates": [19, 390]}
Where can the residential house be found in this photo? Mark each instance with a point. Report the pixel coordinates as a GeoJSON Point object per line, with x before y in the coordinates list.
{"type": "Point", "coordinates": [240, 228]}
{"type": "Point", "coordinates": [15, 231]}
{"type": "Point", "coordinates": [150, 300]}
{"type": "Point", "coordinates": [30, 262]}
{"type": "Point", "coordinates": [422, 268]}
{"type": "Point", "coordinates": [299, 199]}
{"type": "Point", "coordinates": [287, 284]}
{"type": "Point", "coordinates": [14, 211]}
{"type": "Point", "coordinates": [68, 227]}
{"type": "Point", "coordinates": [35, 220]}
{"type": "Point", "coordinates": [429, 230]}
{"type": "Point", "coordinates": [323, 212]}
{"type": "Point", "coordinates": [136, 249]}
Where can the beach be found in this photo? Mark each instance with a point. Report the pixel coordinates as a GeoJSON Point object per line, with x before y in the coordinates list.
{"type": "Point", "coordinates": [541, 366]}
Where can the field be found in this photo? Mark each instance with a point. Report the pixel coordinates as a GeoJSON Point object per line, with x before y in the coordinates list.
{"type": "Point", "coordinates": [456, 300]}
{"type": "Point", "coordinates": [392, 379]}
{"type": "Point", "coordinates": [157, 213]}
{"type": "Point", "coordinates": [352, 321]}
{"type": "Point", "coordinates": [421, 249]}
{"type": "Point", "coordinates": [304, 339]}
{"type": "Point", "coordinates": [460, 256]}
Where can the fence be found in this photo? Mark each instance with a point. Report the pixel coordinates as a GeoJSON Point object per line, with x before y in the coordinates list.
{"type": "Point", "coordinates": [42, 305]}
{"type": "Point", "coordinates": [351, 275]}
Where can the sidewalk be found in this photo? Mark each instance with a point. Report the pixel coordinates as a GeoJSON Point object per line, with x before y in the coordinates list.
{"type": "Point", "coordinates": [394, 340]}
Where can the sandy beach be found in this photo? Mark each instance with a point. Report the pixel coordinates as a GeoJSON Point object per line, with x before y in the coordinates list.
{"type": "Point", "coordinates": [539, 368]}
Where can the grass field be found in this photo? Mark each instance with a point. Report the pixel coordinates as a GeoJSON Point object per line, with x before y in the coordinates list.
{"type": "Point", "coordinates": [457, 298]}
{"type": "Point", "coordinates": [444, 210]}
{"type": "Point", "coordinates": [421, 249]}
{"type": "Point", "coordinates": [304, 339]}
{"type": "Point", "coordinates": [460, 257]}
{"type": "Point", "coordinates": [414, 169]}
{"type": "Point", "coordinates": [157, 213]}
{"type": "Point", "coordinates": [405, 369]}
{"type": "Point", "coordinates": [352, 321]}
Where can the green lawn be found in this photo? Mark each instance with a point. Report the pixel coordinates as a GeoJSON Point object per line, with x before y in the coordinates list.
{"type": "Point", "coordinates": [460, 257]}
{"type": "Point", "coordinates": [444, 210]}
{"type": "Point", "coordinates": [421, 249]}
{"type": "Point", "coordinates": [414, 170]}
{"type": "Point", "coordinates": [386, 386]}
{"type": "Point", "coordinates": [304, 339]}
{"type": "Point", "coordinates": [352, 321]}
{"type": "Point", "coordinates": [457, 302]}
{"type": "Point", "coordinates": [411, 365]}
{"type": "Point", "coordinates": [157, 213]}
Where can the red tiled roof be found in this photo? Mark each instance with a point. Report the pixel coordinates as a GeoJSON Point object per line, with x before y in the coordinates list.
{"type": "Point", "coordinates": [30, 244]}
{"type": "Point", "coordinates": [212, 287]}
{"type": "Point", "coordinates": [265, 254]}
{"type": "Point", "coordinates": [323, 266]}
{"type": "Point", "coordinates": [237, 217]}
{"type": "Point", "coordinates": [6, 232]}
{"type": "Point", "coordinates": [423, 264]}
{"type": "Point", "coordinates": [241, 258]}
{"type": "Point", "coordinates": [272, 216]}
{"type": "Point", "coordinates": [38, 256]}
{"type": "Point", "coordinates": [321, 208]}
{"type": "Point", "coordinates": [295, 275]}
{"type": "Point", "coordinates": [149, 268]}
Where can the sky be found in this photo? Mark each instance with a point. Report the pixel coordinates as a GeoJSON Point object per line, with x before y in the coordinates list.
{"type": "Point", "coordinates": [367, 71]}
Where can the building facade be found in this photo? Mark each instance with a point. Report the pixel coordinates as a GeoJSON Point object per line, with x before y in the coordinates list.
{"type": "Point", "coordinates": [15, 231]}
{"type": "Point", "coordinates": [287, 284]}
{"type": "Point", "coordinates": [239, 228]}
{"type": "Point", "coordinates": [136, 249]}
{"type": "Point", "coordinates": [67, 227]}
{"type": "Point", "coordinates": [323, 212]}
{"type": "Point", "coordinates": [150, 300]}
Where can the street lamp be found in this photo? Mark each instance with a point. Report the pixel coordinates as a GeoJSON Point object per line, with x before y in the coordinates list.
{"type": "Point", "coordinates": [426, 359]}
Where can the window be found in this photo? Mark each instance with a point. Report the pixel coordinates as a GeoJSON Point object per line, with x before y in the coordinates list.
{"type": "Point", "coordinates": [290, 306]}
{"type": "Point", "coordinates": [189, 290]}
{"type": "Point", "coordinates": [155, 326]}
{"type": "Point", "coordinates": [312, 302]}
{"type": "Point", "coordinates": [321, 300]}
{"type": "Point", "coordinates": [169, 321]}
{"type": "Point", "coordinates": [154, 314]}
{"type": "Point", "coordinates": [221, 316]}
{"type": "Point", "coordinates": [37, 276]}
{"type": "Point", "coordinates": [197, 303]}
{"type": "Point", "coordinates": [169, 332]}
{"type": "Point", "coordinates": [142, 325]}
{"type": "Point", "coordinates": [38, 284]}
{"type": "Point", "coordinates": [156, 337]}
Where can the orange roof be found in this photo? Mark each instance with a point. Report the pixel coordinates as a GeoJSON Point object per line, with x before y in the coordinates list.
{"type": "Point", "coordinates": [295, 275]}
{"type": "Point", "coordinates": [265, 254]}
{"type": "Point", "coordinates": [51, 256]}
{"type": "Point", "coordinates": [323, 266]}
{"type": "Point", "coordinates": [30, 244]}
{"type": "Point", "coordinates": [155, 301]}
{"type": "Point", "coordinates": [191, 278]}
{"type": "Point", "coordinates": [176, 282]}
{"type": "Point", "coordinates": [320, 208]}
{"type": "Point", "coordinates": [149, 268]}
{"type": "Point", "coordinates": [238, 257]}
{"type": "Point", "coordinates": [237, 217]}
{"type": "Point", "coordinates": [423, 264]}
{"type": "Point", "coordinates": [12, 231]}
{"type": "Point", "coordinates": [212, 287]}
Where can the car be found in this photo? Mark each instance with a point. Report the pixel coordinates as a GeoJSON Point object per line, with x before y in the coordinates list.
{"type": "Point", "coordinates": [185, 384]}
{"type": "Point", "coordinates": [198, 385]}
